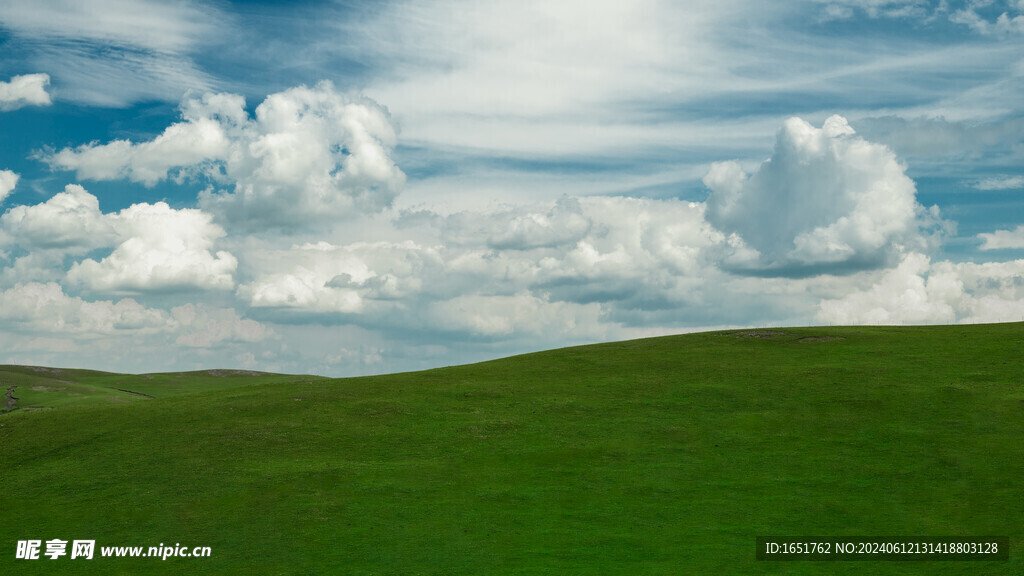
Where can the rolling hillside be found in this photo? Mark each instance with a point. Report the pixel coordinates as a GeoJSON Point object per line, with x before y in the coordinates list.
{"type": "Point", "coordinates": [657, 456]}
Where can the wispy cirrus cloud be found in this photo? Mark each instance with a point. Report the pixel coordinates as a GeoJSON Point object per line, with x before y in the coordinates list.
{"type": "Point", "coordinates": [114, 53]}
{"type": "Point", "coordinates": [1000, 183]}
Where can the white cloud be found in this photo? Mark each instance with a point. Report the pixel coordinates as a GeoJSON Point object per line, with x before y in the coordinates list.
{"type": "Point", "coordinates": [200, 326]}
{"type": "Point", "coordinates": [902, 296]}
{"type": "Point", "coordinates": [154, 246]}
{"type": "Point", "coordinates": [114, 53]}
{"type": "Point", "coordinates": [919, 292]}
{"type": "Point", "coordinates": [201, 137]}
{"type": "Point", "coordinates": [347, 279]}
{"type": "Point", "coordinates": [161, 26]}
{"type": "Point", "coordinates": [633, 245]}
{"type": "Point", "coordinates": [532, 77]}
{"type": "Point", "coordinates": [519, 315]}
{"type": "Point", "coordinates": [826, 200]}
{"type": "Point", "coordinates": [71, 220]}
{"type": "Point", "coordinates": [310, 155]}
{"type": "Point", "coordinates": [26, 90]}
{"type": "Point", "coordinates": [520, 228]}
{"type": "Point", "coordinates": [1000, 183]}
{"type": "Point", "coordinates": [46, 326]}
{"type": "Point", "coordinates": [8, 181]}
{"type": "Point", "coordinates": [1002, 239]}
{"type": "Point", "coordinates": [842, 9]}
{"type": "Point", "coordinates": [46, 308]}
{"type": "Point", "coordinates": [181, 145]}
{"type": "Point", "coordinates": [937, 137]}
{"type": "Point", "coordinates": [160, 249]}
{"type": "Point", "coordinates": [1003, 24]}
{"type": "Point", "coordinates": [633, 252]}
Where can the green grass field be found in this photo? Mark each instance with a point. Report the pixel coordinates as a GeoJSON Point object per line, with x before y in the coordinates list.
{"type": "Point", "coordinates": [658, 456]}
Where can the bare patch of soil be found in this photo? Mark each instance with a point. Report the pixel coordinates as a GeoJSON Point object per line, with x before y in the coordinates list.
{"type": "Point", "coordinates": [233, 373]}
{"type": "Point", "coordinates": [821, 338]}
{"type": "Point", "coordinates": [45, 370]}
{"type": "Point", "coordinates": [41, 388]}
{"type": "Point", "coordinates": [758, 334]}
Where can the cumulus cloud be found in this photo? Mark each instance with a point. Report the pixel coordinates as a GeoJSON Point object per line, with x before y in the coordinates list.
{"type": "Point", "coordinates": [70, 220]}
{"type": "Point", "coordinates": [8, 181]}
{"type": "Point", "coordinates": [920, 292]}
{"type": "Point", "coordinates": [155, 247]}
{"type": "Point", "coordinates": [46, 308]}
{"type": "Point", "coordinates": [826, 201]}
{"type": "Point", "coordinates": [1002, 239]}
{"type": "Point", "coordinates": [903, 296]}
{"type": "Point", "coordinates": [160, 249]}
{"type": "Point", "coordinates": [634, 253]}
{"type": "Point", "coordinates": [520, 228]}
{"type": "Point", "coordinates": [637, 251]}
{"type": "Point", "coordinates": [325, 278]}
{"type": "Point", "coordinates": [308, 155]}
{"type": "Point", "coordinates": [27, 90]}
{"type": "Point", "coordinates": [184, 144]}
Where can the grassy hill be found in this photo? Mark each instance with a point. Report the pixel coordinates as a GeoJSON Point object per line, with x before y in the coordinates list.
{"type": "Point", "coordinates": [41, 388]}
{"type": "Point", "coordinates": [658, 456]}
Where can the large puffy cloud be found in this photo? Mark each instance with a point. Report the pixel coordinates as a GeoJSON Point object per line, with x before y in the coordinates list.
{"type": "Point", "coordinates": [27, 90]}
{"type": "Point", "coordinates": [633, 253]}
{"type": "Point", "coordinates": [162, 249]}
{"type": "Point", "coordinates": [902, 296]}
{"type": "Point", "coordinates": [921, 292]}
{"type": "Point", "coordinates": [155, 247]}
{"type": "Point", "coordinates": [638, 252]}
{"type": "Point", "coordinates": [8, 181]}
{"type": "Point", "coordinates": [308, 155]}
{"type": "Point", "coordinates": [827, 200]}
{"type": "Point", "coordinates": [45, 325]}
{"type": "Point", "coordinates": [70, 220]}
{"type": "Point", "coordinates": [325, 278]}
{"type": "Point", "coordinates": [1001, 239]}
{"type": "Point", "coordinates": [46, 308]}
{"type": "Point", "coordinates": [184, 144]}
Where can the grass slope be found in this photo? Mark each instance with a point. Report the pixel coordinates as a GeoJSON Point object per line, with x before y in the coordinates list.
{"type": "Point", "coordinates": [657, 456]}
{"type": "Point", "coordinates": [39, 388]}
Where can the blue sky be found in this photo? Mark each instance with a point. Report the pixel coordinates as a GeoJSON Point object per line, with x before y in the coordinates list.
{"type": "Point", "coordinates": [349, 188]}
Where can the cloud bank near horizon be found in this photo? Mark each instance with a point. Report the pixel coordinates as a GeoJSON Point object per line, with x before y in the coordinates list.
{"type": "Point", "coordinates": [827, 205]}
